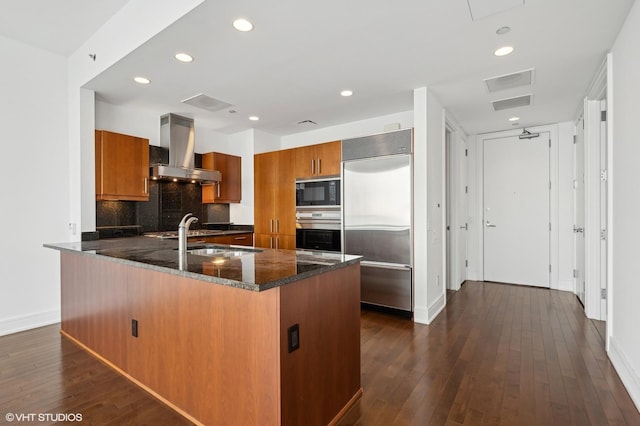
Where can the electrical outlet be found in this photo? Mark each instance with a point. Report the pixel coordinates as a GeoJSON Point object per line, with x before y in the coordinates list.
{"type": "Point", "coordinates": [72, 228]}
{"type": "Point", "coordinates": [294, 337]}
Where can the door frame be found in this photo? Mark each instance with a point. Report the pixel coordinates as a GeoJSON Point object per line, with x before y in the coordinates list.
{"type": "Point", "coordinates": [595, 260]}
{"type": "Point", "coordinates": [454, 181]}
{"type": "Point", "coordinates": [554, 235]}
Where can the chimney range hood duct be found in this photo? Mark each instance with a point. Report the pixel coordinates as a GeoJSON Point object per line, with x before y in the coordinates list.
{"type": "Point", "coordinates": [177, 134]}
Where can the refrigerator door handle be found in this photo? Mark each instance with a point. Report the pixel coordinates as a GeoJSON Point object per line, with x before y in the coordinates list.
{"type": "Point", "coordinates": [385, 265]}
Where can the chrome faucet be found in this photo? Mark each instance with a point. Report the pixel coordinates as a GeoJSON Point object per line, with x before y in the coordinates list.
{"type": "Point", "coordinates": [183, 228]}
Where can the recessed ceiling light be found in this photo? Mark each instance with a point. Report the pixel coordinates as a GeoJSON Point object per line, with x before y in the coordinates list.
{"type": "Point", "coordinates": [242, 24]}
{"type": "Point", "coordinates": [503, 30]}
{"type": "Point", "coordinates": [184, 57]}
{"type": "Point", "coordinates": [254, 118]}
{"type": "Point", "coordinates": [514, 118]}
{"type": "Point", "coordinates": [141, 80]}
{"type": "Point", "coordinates": [503, 51]}
{"type": "Point", "coordinates": [346, 93]}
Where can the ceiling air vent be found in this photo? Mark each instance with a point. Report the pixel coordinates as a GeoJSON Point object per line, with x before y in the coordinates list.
{"type": "Point", "coordinates": [519, 101]}
{"type": "Point", "coordinates": [509, 81]}
{"type": "Point", "coordinates": [206, 102]}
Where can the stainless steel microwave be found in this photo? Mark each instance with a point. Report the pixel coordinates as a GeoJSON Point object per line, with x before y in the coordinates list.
{"type": "Point", "coordinates": [318, 192]}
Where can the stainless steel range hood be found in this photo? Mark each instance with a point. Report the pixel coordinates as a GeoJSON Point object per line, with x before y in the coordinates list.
{"type": "Point", "coordinates": [177, 134]}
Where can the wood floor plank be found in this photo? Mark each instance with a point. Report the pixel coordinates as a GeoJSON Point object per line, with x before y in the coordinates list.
{"type": "Point", "coordinates": [497, 355]}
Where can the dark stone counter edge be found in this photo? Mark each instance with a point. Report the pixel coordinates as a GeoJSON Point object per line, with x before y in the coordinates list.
{"type": "Point", "coordinates": [211, 279]}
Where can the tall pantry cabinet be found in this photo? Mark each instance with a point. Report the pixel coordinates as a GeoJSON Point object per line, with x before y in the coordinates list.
{"type": "Point", "coordinates": [274, 200]}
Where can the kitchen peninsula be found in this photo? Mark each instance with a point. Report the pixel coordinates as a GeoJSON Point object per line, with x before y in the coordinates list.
{"type": "Point", "coordinates": [223, 334]}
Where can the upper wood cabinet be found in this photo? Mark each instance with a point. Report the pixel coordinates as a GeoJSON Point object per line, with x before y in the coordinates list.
{"type": "Point", "coordinates": [318, 160]}
{"type": "Point", "coordinates": [122, 167]}
{"type": "Point", "coordinates": [230, 189]}
{"type": "Point", "coordinates": [274, 200]}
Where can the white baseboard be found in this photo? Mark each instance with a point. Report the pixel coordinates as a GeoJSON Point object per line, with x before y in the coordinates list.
{"type": "Point", "coordinates": [437, 307]}
{"type": "Point", "coordinates": [472, 275]}
{"type": "Point", "coordinates": [424, 315]}
{"type": "Point", "coordinates": [625, 370]}
{"type": "Point", "coordinates": [421, 315]}
{"type": "Point", "coordinates": [566, 285]}
{"type": "Point", "coordinates": [29, 321]}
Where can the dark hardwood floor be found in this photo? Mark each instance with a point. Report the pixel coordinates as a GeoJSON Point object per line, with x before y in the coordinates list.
{"type": "Point", "coordinates": [498, 354]}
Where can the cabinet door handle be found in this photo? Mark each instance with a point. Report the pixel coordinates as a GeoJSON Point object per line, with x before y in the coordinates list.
{"type": "Point", "coordinates": [313, 166]}
{"type": "Point", "coordinates": [277, 242]}
{"type": "Point", "coordinates": [146, 185]}
{"type": "Point", "coordinates": [218, 185]}
{"type": "Point", "coordinates": [319, 166]}
{"type": "Point", "coordinates": [277, 225]}
{"type": "Point", "coordinates": [240, 238]}
{"type": "Point", "coordinates": [270, 242]}
{"type": "Point", "coordinates": [271, 226]}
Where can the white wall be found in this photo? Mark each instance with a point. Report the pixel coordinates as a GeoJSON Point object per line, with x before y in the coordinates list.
{"type": "Point", "coordinates": [428, 208]}
{"type": "Point", "coordinates": [624, 233]}
{"type": "Point", "coordinates": [130, 121]}
{"type": "Point", "coordinates": [35, 190]}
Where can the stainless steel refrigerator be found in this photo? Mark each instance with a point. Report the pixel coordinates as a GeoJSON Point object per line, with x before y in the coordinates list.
{"type": "Point", "coordinates": [377, 203]}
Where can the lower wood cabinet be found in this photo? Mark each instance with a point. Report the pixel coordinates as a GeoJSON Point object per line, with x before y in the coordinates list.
{"type": "Point", "coordinates": [244, 239]}
{"type": "Point", "coordinates": [276, 241]}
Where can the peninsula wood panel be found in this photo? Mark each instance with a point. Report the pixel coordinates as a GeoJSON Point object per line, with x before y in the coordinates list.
{"type": "Point", "coordinates": [211, 350]}
{"type": "Point", "coordinates": [94, 305]}
{"type": "Point", "coordinates": [323, 375]}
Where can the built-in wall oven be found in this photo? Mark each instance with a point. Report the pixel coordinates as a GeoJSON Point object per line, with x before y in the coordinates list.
{"type": "Point", "coordinates": [318, 214]}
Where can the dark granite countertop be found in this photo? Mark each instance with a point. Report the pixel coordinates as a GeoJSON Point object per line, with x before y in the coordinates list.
{"type": "Point", "coordinates": [253, 269]}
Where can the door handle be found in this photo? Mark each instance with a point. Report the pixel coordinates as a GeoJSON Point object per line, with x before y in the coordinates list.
{"type": "Point", "coordinates": [465, 227]}
{"type": "Point", "coordinates": [489, 225]}
{"type": "Point", "coordinates": [578, 229]}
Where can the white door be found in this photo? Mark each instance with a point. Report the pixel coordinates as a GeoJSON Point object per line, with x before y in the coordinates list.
{"type": "Point", "coordinates": [578, 227]}
{"type": "Point", "coordinates": [456, 198]}
{"type": "Point", "coordinates": [516, 210]}
{"type": "Point", "coordinates": [462, 214]}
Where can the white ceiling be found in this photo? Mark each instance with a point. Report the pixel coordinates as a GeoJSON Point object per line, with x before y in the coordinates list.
{"type": "Point", "coordinates": [59, 26]}
{"type": "Point", "coordinates": [300, 55]}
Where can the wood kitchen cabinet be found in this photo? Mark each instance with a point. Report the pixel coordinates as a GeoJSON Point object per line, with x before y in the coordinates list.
{"type": "Point", "coordinates": [274, 199]}
{"type": "Point", "coordinates": [122, 167]}
{"type": "Point", "coordinates": [229, 190]}
{"type": "Point", "coordinates": [318, 160]}
{"type": "Point", "coordinates": [244, 239]}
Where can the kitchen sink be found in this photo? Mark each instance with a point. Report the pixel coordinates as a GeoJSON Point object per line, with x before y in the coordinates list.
{"type": "Point", "coordinates": [220, 251]}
